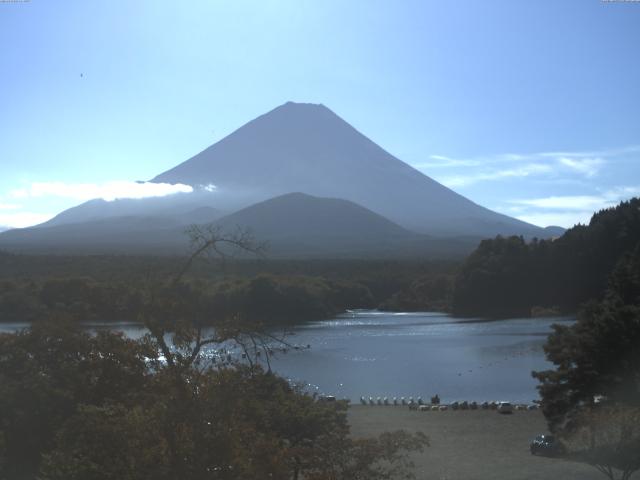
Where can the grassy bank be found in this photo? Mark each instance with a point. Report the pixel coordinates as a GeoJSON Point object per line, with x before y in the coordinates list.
{"type": "Point", "coordinates": [470, 444]}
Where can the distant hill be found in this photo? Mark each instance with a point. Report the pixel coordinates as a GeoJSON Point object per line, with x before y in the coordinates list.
{"type": "Point", "coordinates": [509, 276]}
{"type": "Point", "coordinates": [302, 225]}
{"type": "Point", "coordinates": [162, 234]}
{"type": "Point", "coordinates": [301, 215]}
{"type": "Point", "coordinates": [134, 235]}
{"type": "Point", "coordinates": [293, 225]}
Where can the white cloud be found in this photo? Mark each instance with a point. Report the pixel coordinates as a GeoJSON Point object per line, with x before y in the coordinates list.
{"type": "Point", "coordinates": [9, 206]}
{"type": "Point", "coordinates": [440, 161]}
{"type": "Point", "coordinates": [551, 166]}
{"type": "Point", "coordinates": [568, 210]}
{"type": "Point", "coordinates": [23, 219]}
{"type": "Point", "coordinates": [523, 171]}
{"type": "Point", "coordinates": [548, 173]}
{"type": "Point", "coordinates": [107, 191]}
{"type": "Point", "coordinates": [591, 203]}
{"type": "Point", "coordinates": [39, 197]}
{"type": "Point", "coordinates": [585, 166]}
{"type": "Point", "coordinates": [572, 202]}
{"type": "Point", "coordinates": [612, 152]}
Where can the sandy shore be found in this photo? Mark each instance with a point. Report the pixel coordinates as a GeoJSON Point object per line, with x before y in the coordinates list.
{"type": "Point", "coordinates": [472, 444]}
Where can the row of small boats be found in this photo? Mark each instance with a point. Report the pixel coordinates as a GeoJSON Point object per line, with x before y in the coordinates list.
{"type": "Point", "coordinates": [419, 404]}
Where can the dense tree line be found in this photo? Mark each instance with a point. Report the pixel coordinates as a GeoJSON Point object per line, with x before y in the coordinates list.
{"type": "Point", "coordinates": [109, 288]}
{"type": "Point", "coordinates": [428, 293]}
{"type": "Point", "coordinates": [510, 276]}
{"type": "Point", "coordinates": [598, 356]}
{"type": "Point", "coordinates": [383, 277]}
{"type": "Point", "coordinates": [592, 396]}
{"type": "Point", "coordinates": [291, 299]}
{"type": "Point", "coordinates": [272, 299]}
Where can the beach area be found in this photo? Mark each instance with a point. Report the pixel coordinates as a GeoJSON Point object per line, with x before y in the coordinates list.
{"type": "Point", "coordinates": [471, 444]}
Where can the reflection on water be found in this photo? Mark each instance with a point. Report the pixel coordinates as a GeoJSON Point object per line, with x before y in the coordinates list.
{"type": "Point", "coordinates": [375, 354]}
{"type": "Point", "coordinates": [371, 353]}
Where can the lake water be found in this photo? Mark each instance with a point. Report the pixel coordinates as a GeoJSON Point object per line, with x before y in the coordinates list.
{"type": "Point", "coordinates": [371, 353]}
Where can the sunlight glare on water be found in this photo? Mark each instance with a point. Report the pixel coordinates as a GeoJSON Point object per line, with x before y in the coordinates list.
{"type": "Point", "coordinates": [372, 353]}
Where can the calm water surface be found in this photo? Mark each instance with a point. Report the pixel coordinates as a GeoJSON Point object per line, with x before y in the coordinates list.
{"type": "Point", "coordinates": [373, 353]}
{"type": "Point", "coordinates": [420, 354]}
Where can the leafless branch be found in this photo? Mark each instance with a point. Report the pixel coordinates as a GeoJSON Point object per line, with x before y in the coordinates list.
{"type": "Point", "coordinates": [207, 239]}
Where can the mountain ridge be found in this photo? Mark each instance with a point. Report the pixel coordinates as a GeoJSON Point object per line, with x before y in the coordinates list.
{"type": "Point", "coordinates": [295, 225]}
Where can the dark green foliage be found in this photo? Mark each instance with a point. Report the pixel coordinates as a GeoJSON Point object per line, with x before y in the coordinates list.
{"type": "Point", "coordinates": [279, 300]}
{"type": "Point", "coordinates": [18, 304]}
{"type": "Point", "coordinates": [80, 298]}
{"type": "Point", "coordinates": [108, 442]}
{"type": "Point", "coordinates": [592, 397]}
{"type": "Point", "coordinates": [599, 354]}
{"type": "Point", "coordinates": [46, 373]}
{"type": "Point", "coordinates": [273, 292]}
{"type": "Point", "coordinates": [509, 277]}
{"type": "Point", "coordinates": [383, 275]}
{"type": "Point", "coordinates": [267, 298]}
{"type": "Point", "coordinates": [427, 293]}
{"type": "Point", "coordinates": [499, 279]}
{"type": "Point", "coordinates": [78, 407]}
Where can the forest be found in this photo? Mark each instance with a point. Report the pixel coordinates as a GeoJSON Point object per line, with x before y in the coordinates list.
{"type": "Point", "coordinates": [110, 288]}
{"type": "Point", "coordinates": [591, 398]}
{"type": "Point", "coordinates": [510, 276]}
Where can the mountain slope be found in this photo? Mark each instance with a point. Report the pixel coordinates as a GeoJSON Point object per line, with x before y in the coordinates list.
{"type": "Point", "coordinates": [162, 233]}
{"type": "Point", "coordinates": [172, 207]}
{"type": "Point", "coordinates": [307, 148]}
{"type": "Point", "coordinates": [293, 225]}
{"type": "Point", "coordinates": [297, 224]}
{"type": "Point", "coordinates": [301, 215]}
{"type": "Point", "coordinates": [129, 234]}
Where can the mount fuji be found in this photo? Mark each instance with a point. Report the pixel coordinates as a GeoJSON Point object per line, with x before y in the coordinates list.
{"type": "Point", "coordinates": [306, 149]}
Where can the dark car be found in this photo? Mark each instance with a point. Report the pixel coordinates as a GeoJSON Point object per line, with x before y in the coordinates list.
{"type": "Point", "coordinates": [545, 445]}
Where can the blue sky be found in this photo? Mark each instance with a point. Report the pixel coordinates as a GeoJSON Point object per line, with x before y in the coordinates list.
{"type": "Point", "coordinates": [530, 108]}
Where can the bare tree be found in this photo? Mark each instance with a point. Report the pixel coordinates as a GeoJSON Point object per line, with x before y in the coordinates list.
{"type": "Point", "coordinates": [180, 322]}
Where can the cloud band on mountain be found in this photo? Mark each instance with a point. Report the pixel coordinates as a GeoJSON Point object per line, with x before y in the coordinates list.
{"type": "Point", "coordinates": [107, 191]}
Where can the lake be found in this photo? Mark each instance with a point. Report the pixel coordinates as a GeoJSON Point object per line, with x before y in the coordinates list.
{"type": "Point", "coordinates": [372, 353]}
